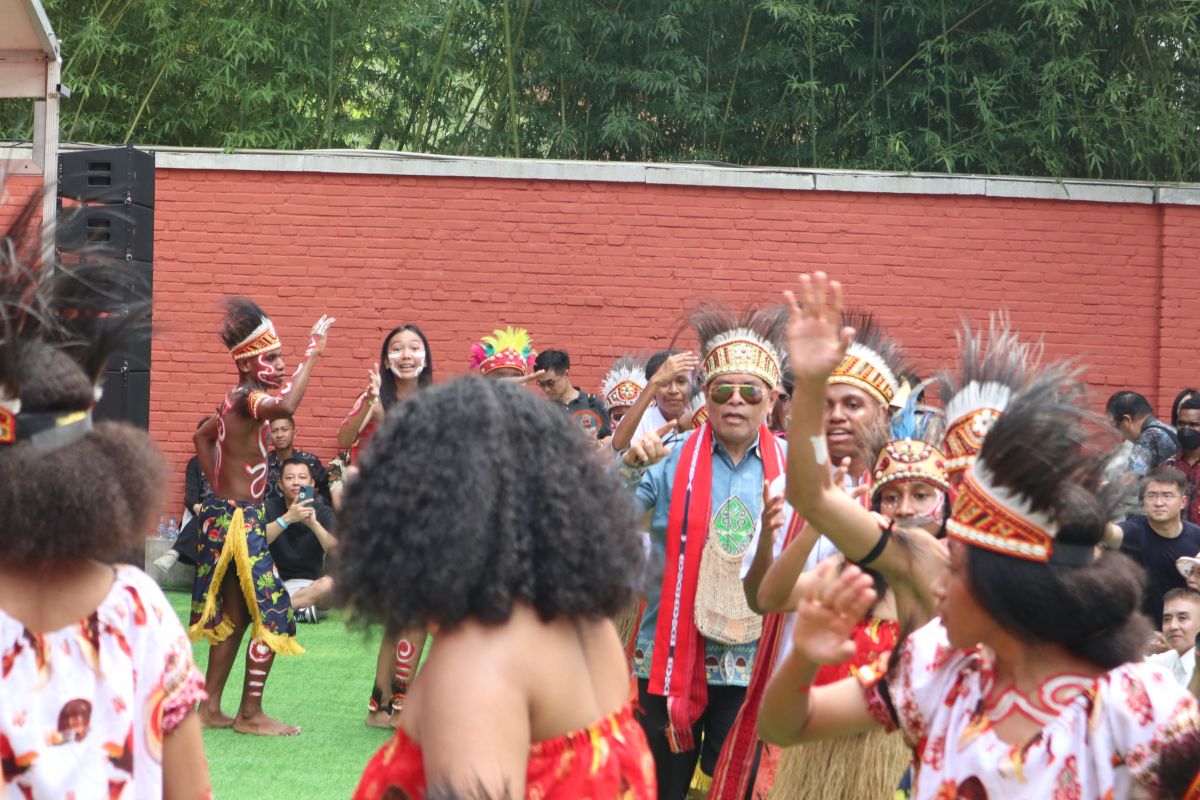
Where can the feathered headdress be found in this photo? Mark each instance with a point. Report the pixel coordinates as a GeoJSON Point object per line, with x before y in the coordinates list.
{"type": "Point", "coordinates": [1037, 450]}
{"type": "Point", "coordinates": [990, 373]}
{"type": "Point", "coordinates": [739, 344]}
{"type": "Point", "coordinates": [508, 348]}
{"type": "Point", "coordinates": [247, 331]}
{"type": "Point", "coordinates": [61, 321]}
{"type": "Point", "coordinates": [624, 383]}
{"type": "Point", "coordinates": [911, 453]}
{"type": "Point", "coordinates": [698, 408]}
{"type": "Point", "coordinates": [874, 363]}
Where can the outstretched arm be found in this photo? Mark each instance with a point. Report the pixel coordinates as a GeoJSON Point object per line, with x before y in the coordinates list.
{"type": "Point", "coordinates": [264, 406]}
{"type": "Point", "coordinates": [362, 412]}
{"type": "Point", "coordinates": [793, 710]}
{"type": "Point", "coordinates": [817, 343]}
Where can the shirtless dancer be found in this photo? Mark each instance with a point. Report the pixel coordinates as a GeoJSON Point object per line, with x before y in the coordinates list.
{"type": "Point", "coordinates": [236, 584]}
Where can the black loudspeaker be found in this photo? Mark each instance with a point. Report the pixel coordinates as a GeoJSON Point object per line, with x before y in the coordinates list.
{"type": "Point", "coordinates": [109, 219]}
{"type": "Point", "coordinates": [107, 231]}
{"type": "Point", "coordinates": [125, 397]}
{"type": "Point", "coordinates": [108, 175]}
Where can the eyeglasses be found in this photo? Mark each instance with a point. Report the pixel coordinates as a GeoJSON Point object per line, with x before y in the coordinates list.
{"type": "Point", "coordinates": [1154, 497]}
{"type": "Point", "coordinates": [724, 393]}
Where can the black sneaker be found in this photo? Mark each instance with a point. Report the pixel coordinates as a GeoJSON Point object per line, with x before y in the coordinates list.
{"type": "Point", "coordinates": [307, 614]}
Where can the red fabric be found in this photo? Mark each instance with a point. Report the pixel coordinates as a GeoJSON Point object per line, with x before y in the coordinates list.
{"type": "Point", "coordinates": [1192, 473]}
{"type": "Point", "coordinates": [874, 641]}
{"type": "Point", "coordinates": [360, 443]}
{"type": "Point", "coordinates": [732, 775]}
{"type": "Point", "coordinates": [680, 652]}
{"type": "Point", "coordinates": [605, 761]}
{"type": "Point", "coordinates": [686, 689]}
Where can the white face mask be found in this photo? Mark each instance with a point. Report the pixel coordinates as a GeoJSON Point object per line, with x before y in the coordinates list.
{"type": "Point", "coordinates": [394, 362]}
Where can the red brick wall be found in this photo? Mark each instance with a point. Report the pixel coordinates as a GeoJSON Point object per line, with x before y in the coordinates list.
{"type": "Point", "coordinates": [603, 268]}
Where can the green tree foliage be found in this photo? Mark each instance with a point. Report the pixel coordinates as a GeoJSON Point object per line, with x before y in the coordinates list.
{"type": "Point", "coordinates": [1083, 88]}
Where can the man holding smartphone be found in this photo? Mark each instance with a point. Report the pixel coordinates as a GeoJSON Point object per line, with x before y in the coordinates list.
{"type": "Point", "coordinates": [299, 536]}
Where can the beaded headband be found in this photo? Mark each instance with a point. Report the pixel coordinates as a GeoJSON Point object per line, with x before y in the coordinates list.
{"type": "Point", "coordinates": [865, 369]}
{"type": "Point", "coordinates": [910, 460]}
{"type": "Point", "coordinates": [997, 519]}
{"type": "Point", "coordinates": [742, 351]}
{"type": "Point", "coordinates": [261, 340]}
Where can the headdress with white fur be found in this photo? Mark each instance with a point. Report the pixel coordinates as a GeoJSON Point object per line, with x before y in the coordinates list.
{"type": "Point", "coordinates": [746, 344]}
{"type": "Point", "coordinates": [1011, 495]}
{"type": "Point", "coordinates": [874, 363]}
{"type": "Point", "coordinates": [624, 383]}
{"type": "Point", "coordinates": [990, 373]}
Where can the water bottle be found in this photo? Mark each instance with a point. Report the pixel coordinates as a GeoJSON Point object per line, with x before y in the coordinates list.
{"type": "Point", "coordinates": [161, 530]}
{"type": "Point", "coordinates": [173, 528]}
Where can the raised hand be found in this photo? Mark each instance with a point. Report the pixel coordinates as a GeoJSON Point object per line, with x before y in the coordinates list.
{"type": "Point", "coordinates": [816, 340]}
{"type": "Point", "coordinates": [649, 449]}
{"type": "Point", "coordinates": [373, 383]}
{"type": "Point", "coordinates": [319, 332]}
{"type": "Point", "coordinates": [673, 367]}
{"type": "Point", "coordinates": [828, 612]}
{"type": "Point", "coordinates": [521, 380]}
{"type": "Point", "coordinates": [772, 514]}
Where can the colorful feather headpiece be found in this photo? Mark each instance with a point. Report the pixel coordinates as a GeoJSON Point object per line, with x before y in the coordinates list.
{"type": "Point", "coordinates": [624, 383]}
{"type": "Point", "coordinates": [873, 363]}
{"type": "Point", "coordinates": [508, 348]}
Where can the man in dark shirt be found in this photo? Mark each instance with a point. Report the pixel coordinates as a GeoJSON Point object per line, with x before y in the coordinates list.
{"type": "Point", "coordinates": [1187, 460]}
{"type": "Point", "coordinates": [1160, 538]}
{"type": "Point", "coordinates": [298, 536]}
{"type": "Point", "coordinates": [283, 434]}
{"type": "Point", "coordinates": [555, 383]}
{"type": "Point", "coordinates": [1154, 441]}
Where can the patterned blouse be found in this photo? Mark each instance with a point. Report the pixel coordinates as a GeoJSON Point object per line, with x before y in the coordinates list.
{"type": "Point", "coordinates": [83, 709]}
{"type": "Point", "coordinates": [1105, 739]}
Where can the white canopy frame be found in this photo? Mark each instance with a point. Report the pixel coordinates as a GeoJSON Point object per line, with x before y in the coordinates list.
{"type": "Point", "coordinates": [30, 67]}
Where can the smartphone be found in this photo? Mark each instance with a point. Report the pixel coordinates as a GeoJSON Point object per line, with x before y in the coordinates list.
{"type": "Point", "coordinates": [306, 493]}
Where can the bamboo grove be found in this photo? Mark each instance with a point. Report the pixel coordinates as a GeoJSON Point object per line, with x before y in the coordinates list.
{"type": "Point", "coordinates": [1069, 88]}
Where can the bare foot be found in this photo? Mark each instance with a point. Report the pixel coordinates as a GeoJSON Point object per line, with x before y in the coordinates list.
{"type": "Point", "coordinates": [211, 717]}
{"type": "Point", "coordinates": [259, 724]}
{"type": "Point", "coordinates": [380, 719]}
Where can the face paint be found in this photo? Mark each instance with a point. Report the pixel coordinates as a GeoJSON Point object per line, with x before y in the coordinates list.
{"type": "Point", "coordinates": [267, 372]}
{"type": "Point", "coordinates": [418, 359]}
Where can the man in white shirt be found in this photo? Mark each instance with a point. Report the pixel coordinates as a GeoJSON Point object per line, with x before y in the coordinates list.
{"type": "Point", "coordinates": [1180, 624]}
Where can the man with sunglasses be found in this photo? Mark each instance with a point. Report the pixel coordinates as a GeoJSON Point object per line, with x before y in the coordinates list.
{"type": "Point", "coordinates": [703, 496]}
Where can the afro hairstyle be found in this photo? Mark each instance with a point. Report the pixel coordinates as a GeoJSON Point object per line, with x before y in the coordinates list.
{"type": "Point", "coordinates": [475, 496]}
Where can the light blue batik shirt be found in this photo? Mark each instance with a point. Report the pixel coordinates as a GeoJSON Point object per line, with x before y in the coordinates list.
{"type": "Point", "coordinates": [736, 488]}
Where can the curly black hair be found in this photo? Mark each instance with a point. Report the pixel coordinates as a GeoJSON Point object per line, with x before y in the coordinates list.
{"type": "Point", "coordinates": [474, 496]}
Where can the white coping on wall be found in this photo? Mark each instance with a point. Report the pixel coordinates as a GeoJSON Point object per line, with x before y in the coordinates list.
{"type": "Point", "coordinates": [375, 162]}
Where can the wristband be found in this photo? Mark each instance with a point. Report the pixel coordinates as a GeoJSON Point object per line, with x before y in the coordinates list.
{"type": "Point", "coordinates": [282, 523]}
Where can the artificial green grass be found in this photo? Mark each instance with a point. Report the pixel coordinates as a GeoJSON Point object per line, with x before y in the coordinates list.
{"type": "Point", "coordinates": [324, 691]}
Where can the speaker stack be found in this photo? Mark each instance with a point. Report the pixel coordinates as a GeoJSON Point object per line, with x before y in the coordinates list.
{"type": "Point", "coordinates": [106, 216]}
